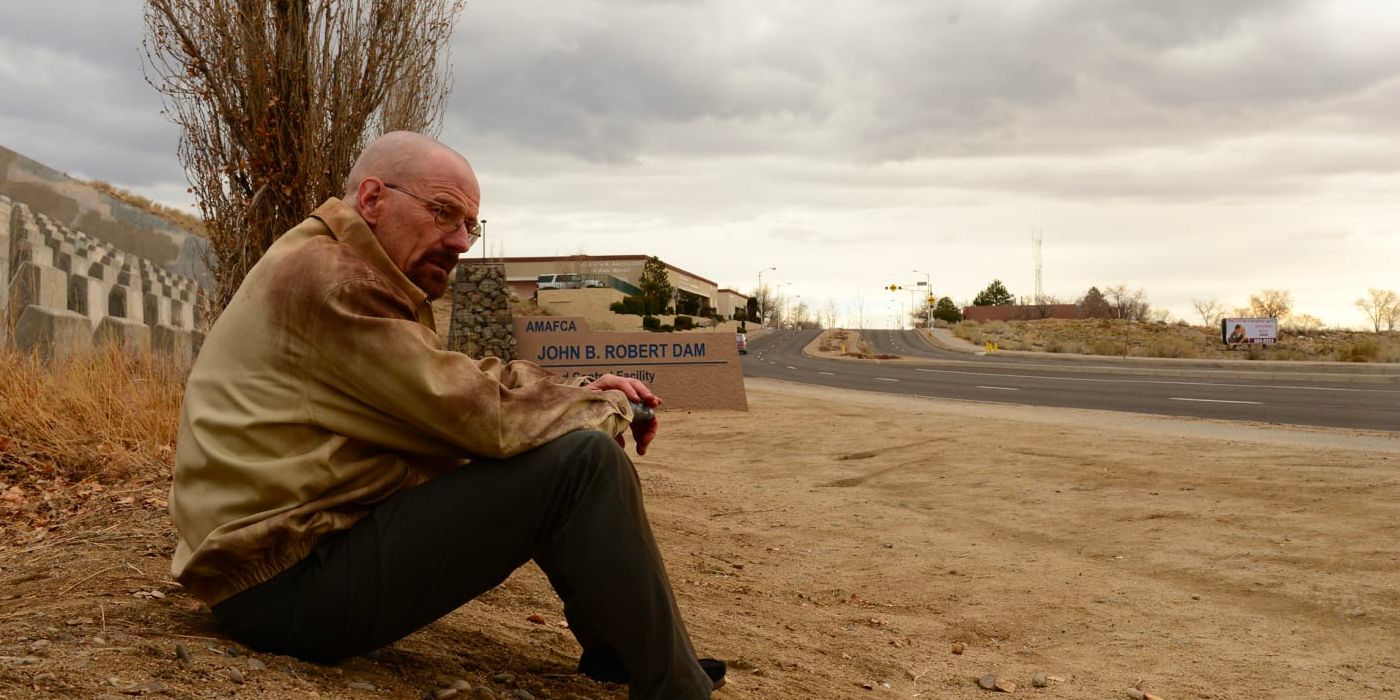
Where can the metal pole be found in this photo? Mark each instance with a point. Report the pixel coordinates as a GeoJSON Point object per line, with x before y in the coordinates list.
{"type": "Point", "coordinates": [928, 296]}
{"type": "Point", "coordinates": [762, 303]}
{"type": "Point", "coordinates": [483, 239]}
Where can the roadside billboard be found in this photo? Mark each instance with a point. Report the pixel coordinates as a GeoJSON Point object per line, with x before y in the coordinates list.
{"type": "Point", "coordinates": [1248, 331]}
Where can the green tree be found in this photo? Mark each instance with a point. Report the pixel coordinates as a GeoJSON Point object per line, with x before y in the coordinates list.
{"type": "Point", "coordinates": [655, 284]}
{"type": "Point", "coordinates": [1094, 305]}
{"type": "Point", "coordinates": [947, 310]}
{"type": "Point", "coordinates": [994, 295]}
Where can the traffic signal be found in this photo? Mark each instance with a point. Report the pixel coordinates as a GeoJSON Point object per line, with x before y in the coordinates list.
{"type": "Point", "coordinates": [893, 288]}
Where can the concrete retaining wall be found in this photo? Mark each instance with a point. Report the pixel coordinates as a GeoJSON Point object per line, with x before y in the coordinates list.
{"type": "Point", "coordinates": [62, 292]}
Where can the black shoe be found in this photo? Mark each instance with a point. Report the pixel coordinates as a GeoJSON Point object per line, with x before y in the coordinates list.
{"type": "Point", "coordinates": [606, 667]}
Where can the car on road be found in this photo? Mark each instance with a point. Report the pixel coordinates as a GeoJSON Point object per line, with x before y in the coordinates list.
{"type": "Point", "coordinates": [743, 343]}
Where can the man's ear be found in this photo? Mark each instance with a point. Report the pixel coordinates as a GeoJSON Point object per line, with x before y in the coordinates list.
{"type": "Point", "coordinates": [370, 197]}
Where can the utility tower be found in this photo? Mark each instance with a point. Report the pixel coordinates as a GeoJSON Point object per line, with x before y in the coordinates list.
{"type": "Point", "coordinates": [1039, 263]}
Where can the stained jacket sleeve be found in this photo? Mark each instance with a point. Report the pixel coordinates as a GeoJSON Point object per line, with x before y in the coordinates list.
{"type": "Point", "coordinates": [385, 378]}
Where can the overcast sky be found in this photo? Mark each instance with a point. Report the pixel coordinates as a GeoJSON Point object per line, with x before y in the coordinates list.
{"type": "Point", "coordinates": [1195, 149]}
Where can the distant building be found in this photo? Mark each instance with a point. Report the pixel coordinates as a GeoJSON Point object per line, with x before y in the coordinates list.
{"type": "Point", "coordinates": [1021, 312]}
{"type": "Point", "coordinates": [523, 274]}
{"type": "Point", "coordinates": [730, 302]}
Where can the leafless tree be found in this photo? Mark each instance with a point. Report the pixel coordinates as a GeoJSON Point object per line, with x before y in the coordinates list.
{"type": "Point", "coordinates": [276, 98]}
{"type": "Point", "coordinates": [1210, 310]}
{"type": "Point", "coordinates": [1383, 307]}
{"type": "Point", "coordinates": [768, 304]}
{"type": "Point", "coordinates": [1129, 304]}
{"type": "Point", "coordinates": [1271, 303]}
{"type": "Point", "coordinates": [860, 311]}
{"type": "Point", "coordinates": [802, 316]}
{"type": "Point", "coordinates": [831, 314]}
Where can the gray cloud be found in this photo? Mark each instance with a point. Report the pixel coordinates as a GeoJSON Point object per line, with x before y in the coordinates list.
{"type": "Point", "coordinates": [717, 132]}
{"type": "Point", "coordinates": [74, 96]}
{"type": "Point", "coordinates": [896, 80]}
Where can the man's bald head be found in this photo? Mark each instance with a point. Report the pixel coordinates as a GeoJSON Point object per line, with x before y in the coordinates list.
{"type": "Point", "coordinates": [399, 156]}
{"type": "Point", "coordinates": [411, 190]}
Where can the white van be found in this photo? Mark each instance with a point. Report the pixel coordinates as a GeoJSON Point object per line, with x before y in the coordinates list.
{"type": "Point", "coordinates": [566, 280]}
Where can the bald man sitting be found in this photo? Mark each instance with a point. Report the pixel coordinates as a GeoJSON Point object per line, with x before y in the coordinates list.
{"type": "Point", "coordinates": [341, 480]}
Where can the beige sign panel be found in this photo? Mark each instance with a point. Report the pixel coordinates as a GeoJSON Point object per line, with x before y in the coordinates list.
{"type": "Point", "coordinates": [687, 370]}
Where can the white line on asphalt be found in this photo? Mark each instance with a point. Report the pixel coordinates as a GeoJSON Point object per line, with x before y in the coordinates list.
{"type": "Point", "coordinates": [1149, 381]}
{"type": "Point", "coordinates": [886, 379]}
{"type": "Point", "coordinates": [998, 388]}
{"type": "Point", "coordinates": [791, 367]}
{"type": "Point", "coordinates": [1178, 398]}
{"type": "Point", "coordinates": [829, 374]}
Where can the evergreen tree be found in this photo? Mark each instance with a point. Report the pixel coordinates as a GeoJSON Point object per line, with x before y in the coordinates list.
{"type": "Point", "coordinates": [1094, 305]}
{"type": "Point", "coordinates": [655, 284]}
{"type": "Point", "coordinates": [994, 295]}
{"type": "Point", "coordinates": [947, 310]}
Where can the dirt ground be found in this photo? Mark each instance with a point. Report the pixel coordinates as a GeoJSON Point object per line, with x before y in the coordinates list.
{"type": "Point", "coordinates": [836, 544]}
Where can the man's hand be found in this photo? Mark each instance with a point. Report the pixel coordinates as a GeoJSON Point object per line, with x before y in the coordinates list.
{"type": "Point", "coordinates": [642, 433]}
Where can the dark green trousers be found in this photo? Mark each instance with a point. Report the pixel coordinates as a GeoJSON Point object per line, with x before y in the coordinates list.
{"type": "Point", "coordinates": [573, 505]}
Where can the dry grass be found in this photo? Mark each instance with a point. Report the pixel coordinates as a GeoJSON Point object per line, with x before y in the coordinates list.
{"type": "Point", "coordinates": [1108, 337]}
{"type": "Point", "coordinates": [77, 428]}
{"type": "Point", "coordinates": [183, 219]}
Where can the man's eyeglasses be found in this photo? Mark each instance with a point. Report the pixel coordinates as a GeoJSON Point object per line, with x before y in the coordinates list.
{"type": "Point", "coordinates": [447, 218]}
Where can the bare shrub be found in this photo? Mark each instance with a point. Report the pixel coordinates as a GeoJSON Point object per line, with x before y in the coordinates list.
{"type": "Point", "coordinates": [1105, 346]}
{"type": "Point", "coordinates": [275, 100]}
{"type": "Point", "coordinates": [968, 330]}
{"type": "Point", "coordinates": [1170, 347]}
{"type": "Point", "coordinates": [1363, 351]}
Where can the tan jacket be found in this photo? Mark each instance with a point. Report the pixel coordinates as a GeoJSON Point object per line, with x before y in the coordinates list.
{"type": "Point", "coordinates": [322, 389]}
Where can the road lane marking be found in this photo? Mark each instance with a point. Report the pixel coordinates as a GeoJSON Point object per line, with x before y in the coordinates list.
{"type": "Point", "coordinates": [1150, 381]}
{"type": "Point", "coordinates": [998, 388]}
{"type": "Point", "coordinates": [791, 367]}
{"type": "Point", "coordinates": [1178, 398]}
{"type": "Point", "coordinates": [829, 374]}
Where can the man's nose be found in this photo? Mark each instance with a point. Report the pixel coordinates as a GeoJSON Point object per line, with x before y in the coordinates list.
{"type": "Point", "coordinates": [459, 241]}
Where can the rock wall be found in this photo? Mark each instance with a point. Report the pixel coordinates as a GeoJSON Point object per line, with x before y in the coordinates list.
{"type": "Point", "coordinates": [482, 323]}
{"type": "Point", "coordinates": [62, 292]}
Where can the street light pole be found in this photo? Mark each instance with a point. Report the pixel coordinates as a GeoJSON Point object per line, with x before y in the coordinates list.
{"type": "Point", "coordinates": [762, 305]}
{"type": "Point", "coordinates": [483, 239]}
{"type": "Point", "coordinates": [928, 299]}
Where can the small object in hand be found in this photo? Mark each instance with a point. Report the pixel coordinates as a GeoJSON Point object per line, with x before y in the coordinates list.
{"type": "Point", "coordinates": [641, 413]}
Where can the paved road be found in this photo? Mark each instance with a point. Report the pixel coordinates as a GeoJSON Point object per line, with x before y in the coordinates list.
{"type": "Point", "coordinates": [1270, 395]}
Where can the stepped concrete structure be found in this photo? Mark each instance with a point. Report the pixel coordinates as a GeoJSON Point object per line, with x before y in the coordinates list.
{"type": "Point", "coordinates": [76, 205]}
{"type": "Point", "coordinates": [64, 292]}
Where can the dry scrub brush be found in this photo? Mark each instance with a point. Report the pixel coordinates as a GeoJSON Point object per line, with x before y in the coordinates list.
{"type": "Point", "coordinates": [276, 98]}
{"type": "Point", "coordinates": [103, 418]}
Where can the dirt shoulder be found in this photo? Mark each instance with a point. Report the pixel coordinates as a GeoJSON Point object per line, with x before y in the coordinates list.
{"type": "Point", "coordinates": [830, 540]}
